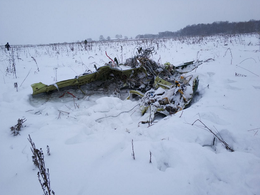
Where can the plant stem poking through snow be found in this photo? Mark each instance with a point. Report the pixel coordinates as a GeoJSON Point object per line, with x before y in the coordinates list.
{"type": "Point", "coordinates": [228, 49]}
{"type": "Point", "coordinates": [255, 130]}
{"type": "Point", "coordinates": [133, 152]}
{"type": "Point", "coordinates": [247, 70]}
{"type": "Point", "coordinates": [150, 161]}
{"type": "Point", "coordinates": [16, 86]}
{"type": "Point", "coordinates": [12, 65]}
{"type": "Point", "coordinates": [63, 112]}
{"type": "Point", "coordinates": [43, 174]}
{"type": "Point", "coordinates": [17, 128]}
{"type": "Point", "coordinates": [26, 77]}
{"type": "Point", "coordinates": [36, 63]}
{"type": "Point", "coordinates": [48, 150]}
{"type": "Point", "coordinates": [219, 138]}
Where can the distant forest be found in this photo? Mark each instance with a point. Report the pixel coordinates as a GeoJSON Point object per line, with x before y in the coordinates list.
{"type": "Point", "coordinates": [215, 28]}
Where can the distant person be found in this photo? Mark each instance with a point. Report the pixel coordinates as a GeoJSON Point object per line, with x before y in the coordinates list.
{"type": "Point", "coordinates": [7, 46]}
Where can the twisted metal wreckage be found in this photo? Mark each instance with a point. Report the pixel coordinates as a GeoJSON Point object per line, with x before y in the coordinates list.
{"type": "Point", "coordinates": [161, 89]}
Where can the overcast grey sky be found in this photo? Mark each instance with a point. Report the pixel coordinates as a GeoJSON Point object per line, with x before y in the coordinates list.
{"type": "Point", "coordinates": [52, 21]}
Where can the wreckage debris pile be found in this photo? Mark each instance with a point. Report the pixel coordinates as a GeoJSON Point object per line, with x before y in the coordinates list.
{"type": "Point", "coordinates": [171, 91]}
{"type": "Point", "coordinates": [162, 88]}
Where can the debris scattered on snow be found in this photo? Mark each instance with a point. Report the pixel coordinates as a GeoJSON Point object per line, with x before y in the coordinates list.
{"type": "Point", "coordinates": [164, 89]}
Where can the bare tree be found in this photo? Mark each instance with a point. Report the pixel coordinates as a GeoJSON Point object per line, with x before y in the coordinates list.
{"type": "Point", "coordinates": [101, 38]}
{"type": "Point", "coordinates": [119, 36]}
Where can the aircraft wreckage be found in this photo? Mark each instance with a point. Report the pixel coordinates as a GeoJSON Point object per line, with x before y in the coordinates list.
{"type": "Point", "coordinates": [163, 89]}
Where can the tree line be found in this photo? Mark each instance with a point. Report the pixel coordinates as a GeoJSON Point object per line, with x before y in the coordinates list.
{"type": "Point", "coordinates": [215, 28]}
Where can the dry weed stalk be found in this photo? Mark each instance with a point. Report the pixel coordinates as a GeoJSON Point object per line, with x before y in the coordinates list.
{"type": "Point", "coordinates": [228, 49]}
{"type": "Point", "coordinates": [17, 128]}
{"type": "Point", "coordinates": [43, 173]}
{"type": "Point", "coordinates": [36, 63]}
{"type": "Point", "coordinates": [255, 130]}
{"type": "Point", "coordinates": [218, 137]}
{"type": "Point", "coordinates": [61, 112]}
{"type": "Point", "coordinates": [248, 70]}
{"type": "Point", "coordinates": [133, 152]}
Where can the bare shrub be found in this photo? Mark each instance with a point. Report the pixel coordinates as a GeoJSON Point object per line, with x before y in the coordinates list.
{"type": "Point", "coordinates": [43, 173]}
{"type": "Point", "coordinates": [17, 128]}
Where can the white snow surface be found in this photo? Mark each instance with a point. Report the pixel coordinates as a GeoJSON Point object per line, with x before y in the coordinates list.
{"type": "Point", "coordinates": [90, 137]}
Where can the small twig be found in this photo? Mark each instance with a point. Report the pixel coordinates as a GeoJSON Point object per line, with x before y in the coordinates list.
{"type": "Point", "coordinates": [36, 63]}
{"type": "Point", "coordinates": [240, 75]}
{"type": "Point", "coordinates": [133, 152]}
{"type": "Point", "coordinates": [255, 130]}
{"type": "Point", "coordinates": [218, 137]}
{"type": "Point", "coordinates": [248, 59]}
{"type": "Point", "coordinates": [62, 112]}
{"type": "Point", "coordinates": [247, 70]}
{"type": "Point", "coordinates": [181, 114]}
{"type": "Point", "coordinates": [26, 77]}
{"type": "Point", "coordinates": [230, 54]}
{"type": "Point", "coordinates": [48, 151]}
{"type": "Point", "coordinates": [150, 161]}
{"type": "Point", "coordinates": [16, 86]}
{"type": "Point", "coordinates": [73, 71]}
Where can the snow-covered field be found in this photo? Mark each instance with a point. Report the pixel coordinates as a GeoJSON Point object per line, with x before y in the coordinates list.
{"type": "Point", "coordinates": [92, 138]}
